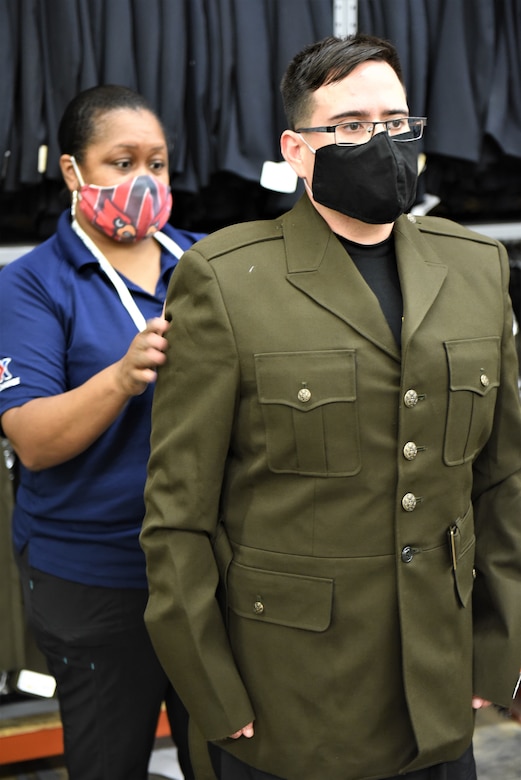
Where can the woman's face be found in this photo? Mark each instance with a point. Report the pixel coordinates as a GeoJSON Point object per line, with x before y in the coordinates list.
{"type": "Point", "coordinates": [127, 143]}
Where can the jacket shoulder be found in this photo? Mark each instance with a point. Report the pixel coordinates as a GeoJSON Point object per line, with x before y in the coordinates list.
{"type": "Point", "coordinates": [445, 227]}
{"type": "Point", "coordinates": [235, 237]}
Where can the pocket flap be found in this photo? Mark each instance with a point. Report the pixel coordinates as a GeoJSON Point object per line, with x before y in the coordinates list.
{"type": "Point", "coordinates": [305, 380]}
{"type": "Point", "coordinates": [292, 600]}
{"type": "Point", "coordinates": [474, 364]}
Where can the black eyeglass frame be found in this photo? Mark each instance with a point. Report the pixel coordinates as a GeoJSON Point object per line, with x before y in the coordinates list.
{"type": "Point", "coordinates": [386, 122]}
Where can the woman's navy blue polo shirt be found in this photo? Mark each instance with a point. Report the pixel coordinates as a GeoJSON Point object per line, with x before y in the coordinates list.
{"type": "Point", "coordinates": [61, 322]}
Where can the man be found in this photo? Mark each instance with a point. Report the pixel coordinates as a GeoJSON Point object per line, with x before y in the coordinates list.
{"type": "Point", "coordinates": [333, 529]}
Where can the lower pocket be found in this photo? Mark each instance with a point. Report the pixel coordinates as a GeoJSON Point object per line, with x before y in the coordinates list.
{"type": "Point", "coordinates": [292, 600]}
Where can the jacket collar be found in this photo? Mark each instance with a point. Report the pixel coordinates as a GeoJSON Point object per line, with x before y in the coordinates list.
{"type": "Point", "coordinates": [318, 266]}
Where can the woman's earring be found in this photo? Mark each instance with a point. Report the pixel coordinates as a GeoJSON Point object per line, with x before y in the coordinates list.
{"type": "Point", "coordinates": [74, 201]}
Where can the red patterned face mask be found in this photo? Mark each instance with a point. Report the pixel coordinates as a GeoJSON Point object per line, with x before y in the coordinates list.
{"type": "Point", "coordinates": [126, 212]}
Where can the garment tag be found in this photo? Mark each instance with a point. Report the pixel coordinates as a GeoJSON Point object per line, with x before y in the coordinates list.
{"type": "Point", "coordinates": [278, 176]}
{"type": "Point", "coordinates": [43, 151]}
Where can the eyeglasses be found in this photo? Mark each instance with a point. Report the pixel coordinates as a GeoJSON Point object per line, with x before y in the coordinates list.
{"type": "Point", "coordinates": [402, 129]}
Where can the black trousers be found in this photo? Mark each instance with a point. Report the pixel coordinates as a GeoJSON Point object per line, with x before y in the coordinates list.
{"type": "Point", "coordinates": [227, 767]}
{"type": "Point", "coordinates": [110, 685]}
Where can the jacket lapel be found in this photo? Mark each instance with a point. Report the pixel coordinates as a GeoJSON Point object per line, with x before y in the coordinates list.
{"type": "Point", "coordinates": [422, 274]}
{"type": "Point", "coordinates": [319, 267]}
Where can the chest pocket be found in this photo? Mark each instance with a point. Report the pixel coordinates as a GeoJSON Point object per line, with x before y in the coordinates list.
{"type": "Point", "coordinates": [310, 412]}
{"type": "Point", "coordinates": [473, 382]}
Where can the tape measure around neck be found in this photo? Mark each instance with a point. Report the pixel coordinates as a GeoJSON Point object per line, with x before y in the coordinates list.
{"type": "Point", "coordinates": [119, 285]}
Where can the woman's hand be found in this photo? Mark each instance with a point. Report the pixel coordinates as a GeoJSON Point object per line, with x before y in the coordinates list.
{"type": "Point", "coordinates": [138, 367]}
{"type": "Point", "coordinates": [48, 431]}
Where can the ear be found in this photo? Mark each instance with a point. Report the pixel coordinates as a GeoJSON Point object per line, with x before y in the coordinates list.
{"type": "Point", "coordinates": [293, 148]}
{"type": "Point", "coordinates": [69, 176]}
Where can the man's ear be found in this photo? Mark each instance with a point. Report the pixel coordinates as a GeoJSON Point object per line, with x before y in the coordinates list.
{"type": "Point", "coordinates": [291, 148]}
{"type": "Point", "coordinates": [69, 176]}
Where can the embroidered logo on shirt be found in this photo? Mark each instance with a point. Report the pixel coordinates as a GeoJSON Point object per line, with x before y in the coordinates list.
{"type": "Point", "coordinates": [6, 378]}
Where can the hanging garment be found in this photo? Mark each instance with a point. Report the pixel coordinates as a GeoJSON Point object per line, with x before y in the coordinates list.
{"type": "Point", "coordinates": [503, 121]}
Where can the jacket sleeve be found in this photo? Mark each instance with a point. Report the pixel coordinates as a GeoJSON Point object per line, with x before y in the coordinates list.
{"type": "Point", "coordinates": [497, 511]}
{"type": "Point", "coordinates": [192, 419]}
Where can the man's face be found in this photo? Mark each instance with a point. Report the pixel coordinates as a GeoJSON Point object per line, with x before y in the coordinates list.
{"type": "Point", "coordinates": [371, 92]}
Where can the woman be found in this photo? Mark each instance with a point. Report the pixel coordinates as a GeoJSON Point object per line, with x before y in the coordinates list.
{"type": "Point", "coordinates": [82, 336]}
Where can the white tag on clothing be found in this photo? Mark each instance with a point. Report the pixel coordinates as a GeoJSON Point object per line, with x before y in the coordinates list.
{"type": "Point", "coordinates": [278, 176]}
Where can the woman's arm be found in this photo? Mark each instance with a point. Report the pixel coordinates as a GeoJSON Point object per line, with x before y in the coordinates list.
{"type": "Point", "coordinates": [48, 431]}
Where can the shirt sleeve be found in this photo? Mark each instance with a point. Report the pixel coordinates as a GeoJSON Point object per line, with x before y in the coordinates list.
{"type": "Point", "coordinates": [189, 450]}
{"type": "Point", "coordinates": [32, 335]}
{"type": "Point", "coordinates": [497, 512]}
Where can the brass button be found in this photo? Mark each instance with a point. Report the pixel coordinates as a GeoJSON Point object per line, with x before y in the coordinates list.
{"type": "Point", "coordinates": [304, 395]}
{"type": "Point", "coordinates": [409, 502]}
{"type": "Point", "coordinates": [410, 450]}
{"type": "Point", "coordinates": [410, 398]}
{"type": "Point", "coordinates": [485, 381]}
{"type": "Point", "coordinates": [258, 608]}
{"type": "Point", "coordinates": [407, 554]}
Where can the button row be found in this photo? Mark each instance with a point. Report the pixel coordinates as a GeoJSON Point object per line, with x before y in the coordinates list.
{"type": "Point", "coordinates": [410, 451]}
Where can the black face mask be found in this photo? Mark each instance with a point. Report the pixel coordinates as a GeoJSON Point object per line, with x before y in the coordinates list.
{"type": "Point", "coordinates": [373, 182]}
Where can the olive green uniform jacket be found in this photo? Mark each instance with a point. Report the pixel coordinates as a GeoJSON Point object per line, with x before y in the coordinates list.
{"type": "Point", "coordinates": [333, 527]}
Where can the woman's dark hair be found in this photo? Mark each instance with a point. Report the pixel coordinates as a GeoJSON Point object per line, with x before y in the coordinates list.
{"type": "Point", "coordinates": [329, 60]}
{"type": "Point", "coordinates": [78, 125]}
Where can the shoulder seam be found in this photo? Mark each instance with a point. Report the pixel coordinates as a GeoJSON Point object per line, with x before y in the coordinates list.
{"type": "Point", "coordinates": [454, 230]}
{"type": "Point", "coordinates": [213, 247]}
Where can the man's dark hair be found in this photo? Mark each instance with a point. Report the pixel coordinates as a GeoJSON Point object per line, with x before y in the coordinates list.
{"type": "Point", "coordinates": [79, 123]}
{"type": "Point", "coordinates": [329, 60]}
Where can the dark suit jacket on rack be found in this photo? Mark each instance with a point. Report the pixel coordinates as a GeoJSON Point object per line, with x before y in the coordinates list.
{"type": "Point", "coordinates": [357, 510]}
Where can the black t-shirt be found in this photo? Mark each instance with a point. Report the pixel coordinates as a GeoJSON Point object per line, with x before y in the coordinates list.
{"type": "Point", "coordinates": [377, 265]}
